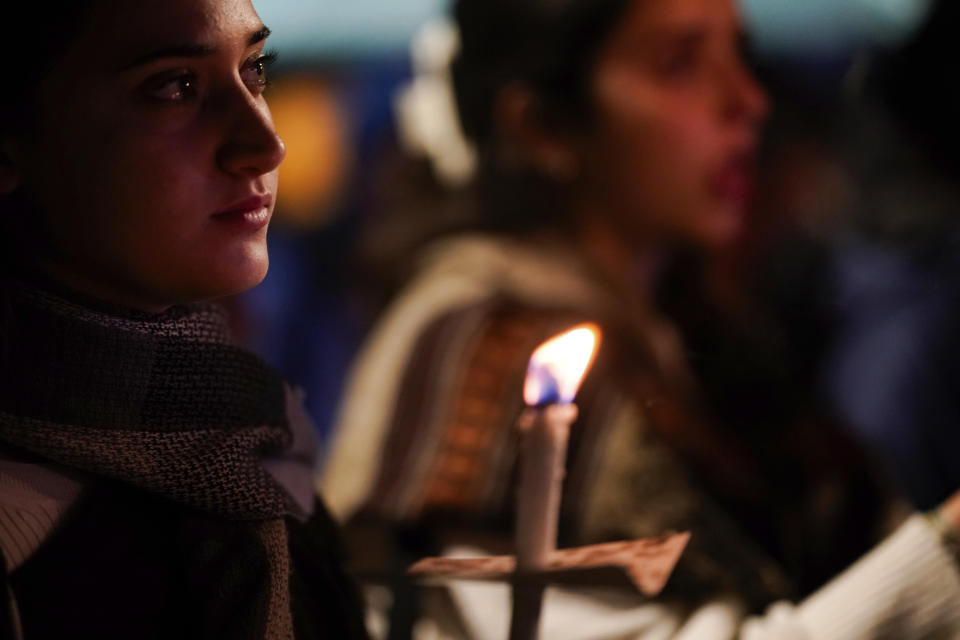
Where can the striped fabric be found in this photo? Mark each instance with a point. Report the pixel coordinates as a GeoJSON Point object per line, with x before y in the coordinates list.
{"type": "Point", "coordinates": [453, 444]}
{"type": "Point", "coordinates": [32, 501]}
{"type": "Point", "coordinates": [908, 587]}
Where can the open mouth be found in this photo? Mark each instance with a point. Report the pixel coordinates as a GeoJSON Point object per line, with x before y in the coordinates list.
{"type": "Point", "coordinates": [734, 181]}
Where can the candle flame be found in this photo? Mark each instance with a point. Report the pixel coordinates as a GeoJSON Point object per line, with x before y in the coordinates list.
{"type": "Point", "coordinates": [558, 366]}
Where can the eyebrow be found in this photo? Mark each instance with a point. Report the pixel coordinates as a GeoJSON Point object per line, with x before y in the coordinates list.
{"type": "Point", "coordinates": [259, 36]}
{"type": "Point", "coordinates": [189, 50]}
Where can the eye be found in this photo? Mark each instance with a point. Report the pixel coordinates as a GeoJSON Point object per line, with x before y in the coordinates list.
{"type": "Point", "coordinates": [680, 58]}
{"type": "Point", "coordinates": [679, 62]}
{"type": "Point", "coordinates": [172, 86]}
{"type": "Point", "coordinates": [254, 72]}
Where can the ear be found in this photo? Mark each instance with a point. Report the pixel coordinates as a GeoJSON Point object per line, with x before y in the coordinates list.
{"type": "Point", "coordinates": [520, 118]}
{"type": "Point", "coordinates": [10, 174]}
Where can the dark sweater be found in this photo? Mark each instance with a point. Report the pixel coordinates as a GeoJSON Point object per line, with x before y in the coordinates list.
{"type": "Point", "coordinates": [124, 564]}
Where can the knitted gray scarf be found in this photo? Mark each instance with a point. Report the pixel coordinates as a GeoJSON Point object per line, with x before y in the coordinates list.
{"type": "Point", "coordinates": [161, 403]}
{"type": "Point", "coordinates": [164, 403]}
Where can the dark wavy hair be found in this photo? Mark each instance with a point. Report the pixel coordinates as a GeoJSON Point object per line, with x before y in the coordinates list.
{"type": "Point", "coordinates": [549, 47]}
{"type": "Point", "coordinates": [39, 33]}
{"type": "Point", "coordinates": [921, 90]}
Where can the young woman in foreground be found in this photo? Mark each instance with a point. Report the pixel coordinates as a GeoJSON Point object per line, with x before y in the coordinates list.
{"type": "Point", "coordinates": [610, 133]}
{"type": "Point", "coordinates": [154, 479]}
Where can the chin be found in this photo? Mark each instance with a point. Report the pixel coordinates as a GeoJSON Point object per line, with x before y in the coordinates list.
{"type": "Point", "coordinates": [232, 276]}
{"type": "Point", "coordinates": [721, 229]}
{"type": "Point", "coordinates": [249, 277]}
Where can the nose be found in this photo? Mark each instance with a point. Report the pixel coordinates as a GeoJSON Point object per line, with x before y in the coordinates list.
{"type": "Point", "coordinates": [251, 146]}
{"type": "Point", "coordinates": [746, 99]}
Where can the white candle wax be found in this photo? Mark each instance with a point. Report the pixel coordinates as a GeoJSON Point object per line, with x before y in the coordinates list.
{"type": "Point", "coordinates": [543, 451]}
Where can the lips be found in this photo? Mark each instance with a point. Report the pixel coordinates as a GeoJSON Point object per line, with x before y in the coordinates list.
{"type": "Point", "coordinates": [733, 181]}
{"type": "Point", "coordinates": [250, 212]}
{"type": "Point", "coordinates": [246, 205]}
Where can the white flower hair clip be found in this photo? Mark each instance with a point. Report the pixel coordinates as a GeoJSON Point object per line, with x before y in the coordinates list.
{"type": "Point", "coordinates": [426, 110]}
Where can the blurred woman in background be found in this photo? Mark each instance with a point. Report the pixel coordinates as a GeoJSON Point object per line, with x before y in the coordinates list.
{"type": "Point", "coordinates": [611, 135]}
{"type": "Point", "coordinates": [155, 480]}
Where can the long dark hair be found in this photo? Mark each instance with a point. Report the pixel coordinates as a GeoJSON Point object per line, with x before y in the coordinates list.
{"type": "Point", "coordinates": [903, 143]}
{"type": "Point", "coordinates": [921, 94]}
{"type": "Point", "coordinates": [40, 33]}
{"type": "Point", "coordinates": [547, 46]}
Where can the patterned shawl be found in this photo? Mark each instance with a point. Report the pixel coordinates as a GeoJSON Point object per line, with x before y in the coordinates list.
{"type": "Point", "coordinates": [426, 435]}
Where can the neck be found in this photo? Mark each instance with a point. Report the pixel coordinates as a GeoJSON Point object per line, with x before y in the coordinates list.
{"type": "Point", "coordinates": [88, 291]}
{"type": "Point", "coordinates": [42, 265]}
{"type": "Point", "coordinates": [104, 296]}
{"type": "Point", "coordinates": [631, 266]}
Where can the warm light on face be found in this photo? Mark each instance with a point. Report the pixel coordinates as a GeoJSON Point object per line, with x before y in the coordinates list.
{"type": "Point", "coordinates": [558, 366]}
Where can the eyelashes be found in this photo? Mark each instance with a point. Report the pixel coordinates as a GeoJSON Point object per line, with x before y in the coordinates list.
{"type": "Point", "coordinates": [268, 58]}
{"type": "Point", "coordinates": [257, 69]}
{"type": "Point", "coordinates": [179, 86]}
{"type": "Point", "coordinates": [176, 85]}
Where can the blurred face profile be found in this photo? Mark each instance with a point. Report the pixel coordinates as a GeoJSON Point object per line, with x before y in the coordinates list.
{"type": "Point", "coordinates": [670, 149]}
{"type": "Point", "coordinates": [152, 167]}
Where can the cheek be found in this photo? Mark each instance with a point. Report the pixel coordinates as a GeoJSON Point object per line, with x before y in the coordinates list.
{"type": "Point", "coordinates": [131, 194]}
{"type": "Point", "coordinates": [105, 167]}
{"type": "Point", "coordinates": [656, 155]}
{"type": "Point", "coordinates": [161, 177]}
{"type": "Point", "coordinates": [164, 180]}
{"type": "Point", "coordinates": [137, 205]}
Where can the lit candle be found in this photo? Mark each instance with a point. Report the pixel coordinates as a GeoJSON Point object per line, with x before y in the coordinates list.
{"type": "Point", "coordinates": [554, 374]}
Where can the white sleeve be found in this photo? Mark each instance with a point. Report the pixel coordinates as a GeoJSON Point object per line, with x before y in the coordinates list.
{"type": "Point", "coordinates": [908, 587]}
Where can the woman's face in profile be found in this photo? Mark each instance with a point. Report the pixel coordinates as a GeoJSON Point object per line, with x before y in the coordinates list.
{"type": "Point", "coordinates": [671, 148]}
{"type": "Point", "coordinates": [153, 165]}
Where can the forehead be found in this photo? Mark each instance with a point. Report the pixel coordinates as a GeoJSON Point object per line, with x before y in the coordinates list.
{"type": "Point", "coordinates": [652, 18]}
{"type": "Point", "coordinates": [123, 28]}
